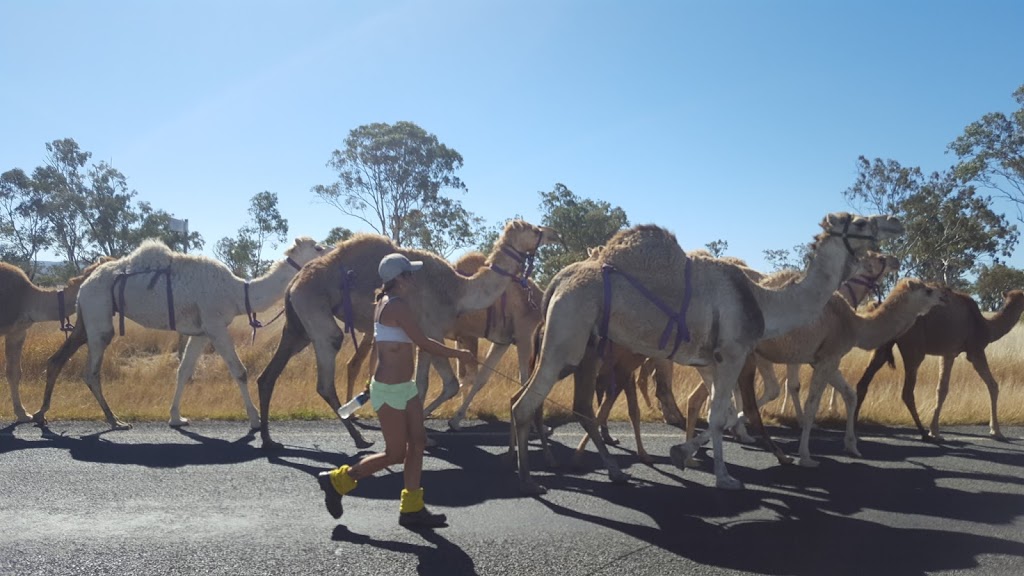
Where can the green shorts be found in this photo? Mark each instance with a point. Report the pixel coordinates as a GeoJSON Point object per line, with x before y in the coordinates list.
{"type": "Point", "coordinates": [394, 395]}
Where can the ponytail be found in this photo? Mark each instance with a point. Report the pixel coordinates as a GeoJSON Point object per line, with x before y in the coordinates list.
{"type": "Point", "coordinates": [383, 290]}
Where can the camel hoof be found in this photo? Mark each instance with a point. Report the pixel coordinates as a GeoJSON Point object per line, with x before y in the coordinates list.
{"type": "Point", "coordinates": [998, 436]}
{"type": "Point", "coordinates": [784, 460]}
{"type": "Point", "coordinates": [23, 418]}
{"type": "Point", "coordinates": [728, 483]}
{"type": "Point", "coordinates": [39, 418]}
{"type": "Point", "coordinates": [531, 488]}
{"type": "Point", "coordinates": [610, 441]}
{"type": "Point", "coordinates": [852, 450]}
{"type": "Point", "coordinates": [454, 425]}
{"type": "Point", "coordinates": [645, 458]}
{"type": "Point", "coordinates": [271, 446]}
{"type": "Point", "coordinates": [618, 477]}
{"type": "Point", "coordinates": [118, 425]}
{"type": "Point", "coordinates": [809, 462]}
{"type": "Point", "coordinates": [183, 422]}
{"type": "Point", "coordinates": [681, 455]}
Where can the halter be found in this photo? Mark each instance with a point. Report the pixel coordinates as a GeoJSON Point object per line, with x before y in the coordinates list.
{"type": "Point", "coordinates": [871, 283]}
{"type": "Point", "coordinates": [65, 320]}
{"type": "Point", "coordinates": [524, 259]}
{"type": "Point", "coordinates": [846, 235]}
{"type": "Point", "coordinates": [252, 315]}
{"type": "Point", "coordinates": [293, 263]}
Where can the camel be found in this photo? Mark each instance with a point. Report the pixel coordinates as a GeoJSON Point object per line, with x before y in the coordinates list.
{"type": "Point", "coordinates": [723, 314]}
{"type": "Point", "coordinates": [192, 294]}
{"type": "Point", "coordinates": [25, 304]}
{"type": "Point", "coordinates": [512, 319]}
{"type": "Point", "coordinates": [854, 290]}
{"type": "Point", "coordinates": [341, 285]}
{"type": "Point", "coordinates": [946, 331]}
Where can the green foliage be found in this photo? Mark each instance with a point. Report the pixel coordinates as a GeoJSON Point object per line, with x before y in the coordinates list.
{"type": "Point", "coordinates": [81, 211]}
{"type": "Point", "coordinates": [583, 223]}
{"type": "Point", "coordinates": [796, 258]}
{"type": "Point", "coordinates": [392, 178]}
{"type": "Point", "coordinates": [991, 153]}
{"type": "Point", "coordinates": [717, 248]}
{"type": "Point", "coordinates": [950, 228]}
{"type": "Point", "coordinates": [244, 253]}
{"type": "Point", "coordinates": [337, 234]}
{"type": "Point", "coordinates": [995, 280]}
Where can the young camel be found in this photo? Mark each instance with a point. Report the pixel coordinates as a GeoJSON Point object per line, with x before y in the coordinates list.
{"type": "Point", "coordinates": [726, 314]}
{"type": "Point", "coordinates": [512, 319]}
{"type": "Point", "coordinates": [25, 304]}
{"type": "Point", "coordinates": [342, 284]}
{"type": "Point", "coordinates": [946, 331]}
{"type": "Point", "coordinates": [165, 290]}
{"type": "Point", "coordinates": [854, 290]}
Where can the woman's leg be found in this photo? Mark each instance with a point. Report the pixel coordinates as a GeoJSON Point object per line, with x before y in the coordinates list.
{"type": "Point", "coordinates": [393, 427]}
{"type": "Point", "coordinates": [416, 439]}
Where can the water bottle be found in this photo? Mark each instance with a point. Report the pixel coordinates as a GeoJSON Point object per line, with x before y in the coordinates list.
{"type": "Point", "coordinates": [352, 405]}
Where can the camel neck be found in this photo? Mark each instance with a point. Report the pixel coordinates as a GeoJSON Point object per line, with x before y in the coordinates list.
{"type": "Point", "coordinates": [42, 306]}
{"type": "Point", "coordinates": [802, 302]}
{"type": "Point", "coordinates": [481, 289]}
{"type": "Point", "coordinates": [1004, 320]}
{"type": "Point", "coordinates": [270, 287]}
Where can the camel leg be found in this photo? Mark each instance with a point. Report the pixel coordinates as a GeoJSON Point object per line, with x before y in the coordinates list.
{"type": "Point", "coordinates": [186, 368]}
{"type": "Point", "coordinates": [818, 381]}
{"type": "Point", "coordinates": [663, 376]}
{"type": "Point", "coordinates": [911, 364]}
{"type": "Point", "coordinates": [293, 340]}
{"type": "Point", "coordinates": [450, 382]}
{"type": "Point", "coordinates": [13, 346]}
{"type": "Point", "coordinates": [633, 407]}
{"type": "Point", "coordinates": [693, 404]}
{"type": "Point", "coordinates": [980, 363]}
{"type": "Point", "coordinates": [941, 390]}
{"type": "Point", "coordinates": [726, 374]}
{"type": "Point", "coordinates": [602, 421]}
{"type": "Point", "coordinates": [583, 406]}
{"type": "Point", "coordinates": [839, 383]}
{"type": "Point", "coordinates": [494, 355]}
{"type": "Point", "coordinates": [55, 364]}
{"type": "Point", "coordinates": [224, 346]}
{"type": "Point", "coordinates": [98, 342]}
{"type": "Point", "coordinates": [771, 382]}
{"type": "Point", "coordinates": [355, 363]}
{"type": "Point", "coordinates": [793, 390]}
{"type": "Point", "coordinates": [737, 419]}
{"type": "Point", "coordinates": [878, 358]}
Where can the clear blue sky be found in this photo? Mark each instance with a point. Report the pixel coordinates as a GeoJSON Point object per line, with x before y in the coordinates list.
{"type": "Point", "coordinates": [732, 120]}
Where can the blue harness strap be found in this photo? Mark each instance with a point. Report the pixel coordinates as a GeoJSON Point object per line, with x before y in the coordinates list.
{"type": "Point", "coordinates": [675, 319]}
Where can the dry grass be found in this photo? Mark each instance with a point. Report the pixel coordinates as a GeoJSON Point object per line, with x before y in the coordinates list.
{"type": "Point", "coordinates": [139, 376]}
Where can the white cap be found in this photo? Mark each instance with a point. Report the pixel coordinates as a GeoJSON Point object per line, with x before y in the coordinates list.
{"type": "Point", "coordinates": [394, 264]}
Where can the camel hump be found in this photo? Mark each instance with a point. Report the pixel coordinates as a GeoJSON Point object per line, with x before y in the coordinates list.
{"type": "Point", "coordinates": [151, 254]}
{"type": "Point", "coordinates": [470, 262]}
{"type": "Point", "coordinates": [643, 251]}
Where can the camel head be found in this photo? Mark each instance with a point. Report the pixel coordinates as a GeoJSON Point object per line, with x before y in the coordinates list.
{"type": "Point", "coordinates": [302, 251]}
{"type": "Point", "coordinates": [861, 233]}
{"type": "Point", "coordinates": [525, 238]}
{"type": "Point", "coordinates": [71, 290]}
{"type": "Point", "coordinates": [1013, 299]}
{"type": "Point", "coordinates": [925, 296]}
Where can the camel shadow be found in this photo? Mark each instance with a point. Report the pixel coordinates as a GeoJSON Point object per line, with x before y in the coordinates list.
{"type": "Point", "coordinates": [443, 557]}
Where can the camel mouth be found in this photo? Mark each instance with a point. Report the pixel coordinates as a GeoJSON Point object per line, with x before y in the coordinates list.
{"type": "Point", "coordinates": [888, 226]}
{"type": "Point", "coordinates": [550, 236]}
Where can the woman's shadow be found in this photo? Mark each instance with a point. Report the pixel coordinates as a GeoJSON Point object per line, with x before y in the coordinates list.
{"type": "Point", "coordinates": [442, 558]}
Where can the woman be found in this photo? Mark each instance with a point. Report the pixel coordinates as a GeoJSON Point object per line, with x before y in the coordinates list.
{"type": "Point", "coordinates": [394, 396]}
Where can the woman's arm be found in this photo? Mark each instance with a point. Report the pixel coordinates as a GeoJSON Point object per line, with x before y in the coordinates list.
{"type": "Point", "coordinates": [402, 314]}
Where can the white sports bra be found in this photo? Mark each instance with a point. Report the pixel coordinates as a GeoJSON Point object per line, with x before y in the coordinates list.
{"type": "Point", "coordinates": [385, 333]}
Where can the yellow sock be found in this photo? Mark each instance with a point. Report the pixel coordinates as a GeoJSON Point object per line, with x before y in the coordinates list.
{"type": "Point", "coordinates": [411, 501]}
{"type": "Point", "coordinates": [341, 481]}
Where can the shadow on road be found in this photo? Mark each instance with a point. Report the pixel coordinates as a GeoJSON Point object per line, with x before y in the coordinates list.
{"type": "Point", "coordinates": [443, 557]}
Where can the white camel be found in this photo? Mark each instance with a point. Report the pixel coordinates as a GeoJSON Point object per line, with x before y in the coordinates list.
{"type": "Point", "coordinates": [195, 295]}
{"type": "Point", "coordinates": [715, 313]}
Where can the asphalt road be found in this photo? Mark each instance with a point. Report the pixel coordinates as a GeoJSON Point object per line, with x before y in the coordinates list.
{"type": "Point", "coordinates": [77, 499]}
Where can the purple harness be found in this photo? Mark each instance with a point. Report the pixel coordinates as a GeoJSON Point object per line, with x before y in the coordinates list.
{"type": "Point", "coordinates": [122, 279]}
{"type": "Point", "coordinates": [347, 279]}
{"type": "Point", "coordinates": [676, 319]}
{"type": "Point", "coordinates": [870, 284]}
{"type": "Point", "coordinates": [65, 320]}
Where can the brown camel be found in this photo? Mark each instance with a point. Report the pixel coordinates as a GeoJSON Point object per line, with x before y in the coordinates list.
{"type": "Point", "coordinates": [716, 313]}
{"type": "Point", "coordinates": [341, 285]}
{"type": "Point", "coordinates": [24, 304]}
{"type": "Point", "coordinates": [161, 289]}
{"type": "Point", "coordinates": [511, 319]}
{"type": "Point", "coordinates": [946, 331]}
